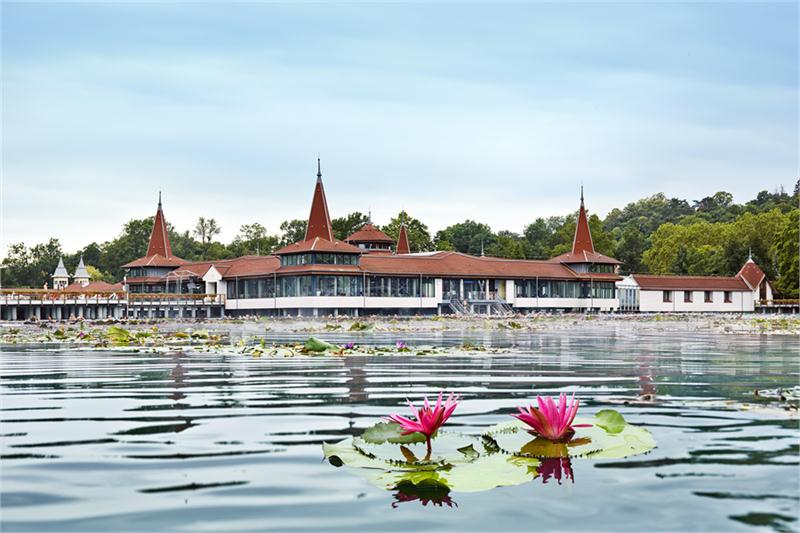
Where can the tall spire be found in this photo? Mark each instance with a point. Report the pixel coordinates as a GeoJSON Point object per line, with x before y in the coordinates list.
{"type": "Point", "coordinates": [583, 236]}
{"type": "Point", "coordinates": [402, 240]}
{"type": "Point", "coordinates": [319, 221]}
{"type": "Point", "coordinates": [159, 237]}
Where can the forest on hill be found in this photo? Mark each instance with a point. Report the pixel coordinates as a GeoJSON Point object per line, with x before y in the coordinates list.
{"type": "Point", "coordinates": [657, 234]}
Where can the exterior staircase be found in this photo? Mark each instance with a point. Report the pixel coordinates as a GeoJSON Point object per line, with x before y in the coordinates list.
{"type": "Point", "coordinates": [458, 307]}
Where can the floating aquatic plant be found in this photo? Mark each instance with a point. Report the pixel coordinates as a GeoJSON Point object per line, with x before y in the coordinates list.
{"type": "Point", "coordinates": [428, 418]}
{"type": "Point", "coordinates": [551, 421]}
{"type": "Point", "coordinates": [388, 455]}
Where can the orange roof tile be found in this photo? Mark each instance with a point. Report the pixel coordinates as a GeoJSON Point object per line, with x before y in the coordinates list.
{"type": "Point", "coordinates": [752, 274]}
{"type": "Point", "coordinates": [319, 245]}
{"type": "Point", "coordinates": [402, 241]}
{"type": "Point", "coordinates": [369, 233]}
{"type": "Point", "coordinates": [156, 261]}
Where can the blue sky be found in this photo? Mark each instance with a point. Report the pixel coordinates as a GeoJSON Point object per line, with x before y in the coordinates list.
{"type": "Point", "coordinates": [451, 111]}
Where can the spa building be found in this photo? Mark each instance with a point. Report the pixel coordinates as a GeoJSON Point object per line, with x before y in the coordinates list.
{"type": "Point", "coordinates": [370, 273]}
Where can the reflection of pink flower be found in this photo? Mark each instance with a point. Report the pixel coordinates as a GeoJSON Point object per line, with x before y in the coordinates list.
{"type": "Point", "coordinates": [551, 421]}
{"type": "Point", "coordinates": [554, 467]}
{"type": "Point", "coordinates": [428, 418]}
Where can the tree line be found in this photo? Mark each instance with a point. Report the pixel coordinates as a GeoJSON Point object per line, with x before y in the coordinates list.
{"type": "Point", "coordinates": [659, 235]}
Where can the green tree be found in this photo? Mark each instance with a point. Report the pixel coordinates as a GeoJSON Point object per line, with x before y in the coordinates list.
{"type": "Point", "coordinates": [253, 239]}
{"type": "Point", "coordinates": [31, 267]}
{"type": "Point", "coordinates": [630, 249]}
{"type": "Point", "coordinates": [468, 237]}
{"type": "Point", "coordinates": [509, 245]}
{"type": "Point", "coordinates": [292, 231]}
{"type": "Point", "coordinates": [419, 238]}
{"type": "Point", "coordinates": [343, 227]}
{"type": "Point", "coordinates": [787, 251]}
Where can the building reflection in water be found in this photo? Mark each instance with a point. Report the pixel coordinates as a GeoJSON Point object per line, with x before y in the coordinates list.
{"type": "Point", "coordinates": [647, 386]}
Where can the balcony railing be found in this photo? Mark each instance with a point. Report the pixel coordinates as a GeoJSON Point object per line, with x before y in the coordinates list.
{"type": "Point", "coordinates": [164, 298]}
{"type": "Point", "coordinates": [56, 297]}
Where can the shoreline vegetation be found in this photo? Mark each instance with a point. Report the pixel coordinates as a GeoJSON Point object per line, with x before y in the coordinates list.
{"type": "Point", "coordinates": [226, 331]}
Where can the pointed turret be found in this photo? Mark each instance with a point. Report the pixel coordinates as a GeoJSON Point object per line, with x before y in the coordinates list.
{"type": "Point", "coordinates": [159, 237]}
{"type": "Point", "coordinates": [319, 221]}
{"type": "Point", "coordinates": [60, 275]}
{"type": "Point", "coordinates": [583, 236]}
{"type": "Point", "coordinates": [402, 241]}
{"type": "Point", "coordinates": [81, 274]}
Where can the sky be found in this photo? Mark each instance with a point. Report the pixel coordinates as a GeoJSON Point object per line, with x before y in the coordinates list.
{"type": "Point", "coordinates": [493, 112]}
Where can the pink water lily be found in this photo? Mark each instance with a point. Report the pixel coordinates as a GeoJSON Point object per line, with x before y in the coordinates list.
{"type": "Point", "coordinates": [551, 421]}
{"type": "Point", "coordinates": [428, 418]}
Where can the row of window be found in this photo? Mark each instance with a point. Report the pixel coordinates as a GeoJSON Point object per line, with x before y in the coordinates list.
{"type": "Point", "coordinates": [531, 288]}
{"type": "Point", "coordinates": [142, 272]}
{"type": "Point", "coordinates": [287, 286]}
{"type": "Point", "coordinates": [319, 258]}
{"type": "Point", "coordinates": [688, 296]}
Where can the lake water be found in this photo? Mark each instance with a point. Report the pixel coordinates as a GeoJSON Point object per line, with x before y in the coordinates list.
{"type": "Point", "coordinates": [116, 441]}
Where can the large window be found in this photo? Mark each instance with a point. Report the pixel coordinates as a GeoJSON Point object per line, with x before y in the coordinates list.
{"type": "Point", "coordinates": [601, 268]}
{"type": "Point", "coordinates": [687, 297]}
{"type": "Point", "coordinates": [666, 296]}
{"type": "Point", "coordinates": [548, 288]}
{"type": "Point", "coordinates": [339, 286]}
{"type": "Point", "coordinates": [708, 297]}
{"type": "Point", "coordinates": [252, 288]}
{"type": "Point", "coordinates": [149, 272]}
{"type": "Point", "coordinates": [603, 289]}
{"type": "Point", "coordinates": [399, 287]}
{"type": "Point", "coordinates": [319, 258]}
{"type": "Point", "coordinates": [728, 297]}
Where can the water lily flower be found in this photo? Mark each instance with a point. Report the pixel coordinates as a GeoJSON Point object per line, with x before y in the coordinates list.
{"type": "Point", "coordinates": [349, 346]}
{"type": "Point", "coordinates": [551, 421]}
{"type": "Point", "coordinates": [429, 418]}
{"type": "Point", "coordinates": [555, 467]}
{"type": "Point", "coordinates": [401, 345]}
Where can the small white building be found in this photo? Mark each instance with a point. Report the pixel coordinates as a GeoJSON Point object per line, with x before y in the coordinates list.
{"type": "Point", "coordinates": [699, 294]}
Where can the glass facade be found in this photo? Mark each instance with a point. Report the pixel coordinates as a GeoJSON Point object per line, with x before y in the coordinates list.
{"type": "Point", "coordinates": [319, 258]}
{"type": "Point", "coordinates": [146, 272]}
{"type": "Point", "coordinates": [547, 288]}
{"type": "Point", "coordinates": [398, 287]}
{"type": "Point", "coordinates": [289, 286]}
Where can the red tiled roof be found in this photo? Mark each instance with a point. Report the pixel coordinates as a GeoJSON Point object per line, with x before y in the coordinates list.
{"type": "Point", "coordinates": [156, 261]}
{"type": "Point", "coordinates": [402, 241]}
{"type": "Point", "coordinates": [369, 233]}
{"type": "Point", "coordinates": [93, 286]}
{"type": "Point", "coordinates": [326, 269]}
{"type": "Point", "coordinates": [752, 274]}
{"type": "Point", "coordinates": [319, 221]}
{"type": "Point", "coordinates": [582, 242]}
{"type": "Point", "coordinates": [463, 265]}
{"type": "Point", "coordinates": [697, 283]}
{"type": "Point", "coordinates": [253, 265]}
{"type": "Point", "coordinates": [159, 237]}
{"type": "Point", "coordinates": [585, 257]}
{"type": "Point", "coordinates": [318, 244]}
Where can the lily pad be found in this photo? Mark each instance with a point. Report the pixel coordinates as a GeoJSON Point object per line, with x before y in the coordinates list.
{"type": "Point", "coordinates": [610, 420]}
{"type": "Point", "coordinates": [446, 450]}
{"type": "Point", "coordinates": [390, 432]}
{"type": "Point", "coordinates": [314, 344]}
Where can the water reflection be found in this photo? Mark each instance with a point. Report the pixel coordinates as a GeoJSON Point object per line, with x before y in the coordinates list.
{"type": "Point", "coordinates": [428, 490]}
{"type": "Point", "coordinates": [556, 468]}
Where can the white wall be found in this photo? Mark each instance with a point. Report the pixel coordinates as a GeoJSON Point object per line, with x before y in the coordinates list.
{"type": "Point", "coordinates": [651, 301]}
{"type": "Point", "coordinates": [604, 304]}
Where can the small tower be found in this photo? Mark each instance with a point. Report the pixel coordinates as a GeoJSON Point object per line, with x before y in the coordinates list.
{"type": "Point", "coordinates": [402, 241]}
{"type": "Point", "coordinates": [60, 276]}
{"type": "Point", "coordinates": [81, 274]}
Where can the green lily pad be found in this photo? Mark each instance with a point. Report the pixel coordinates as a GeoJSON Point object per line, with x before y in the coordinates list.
{"type": "Point", "coordinates": [610, 420]}
{"type": "Point", "coordinates": [390, 432]}
{"type": "Point", "coordinates": [314, 344]}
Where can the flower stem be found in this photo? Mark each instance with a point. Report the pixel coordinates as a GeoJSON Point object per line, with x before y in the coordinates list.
{"type": "Point", "coordinates": [428, 443]}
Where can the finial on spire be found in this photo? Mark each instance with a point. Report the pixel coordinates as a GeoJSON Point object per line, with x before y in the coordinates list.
{"type": "Point", "coordinates": [319, 168]}
{"type": "Point", "coordinates": [369, 216]}
{"type": "Point", "coordinates": [482, 253]}
{"type": "Point", "coordinates": [750, 253]}
{"type": "Point", "coordinates": [581, 194]}
{"type": "Point", "coordinates": [159, 198]}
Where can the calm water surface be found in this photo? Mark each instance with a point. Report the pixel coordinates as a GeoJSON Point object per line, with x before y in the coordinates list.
{"type": "Point", "coordinates": [115, 441]}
